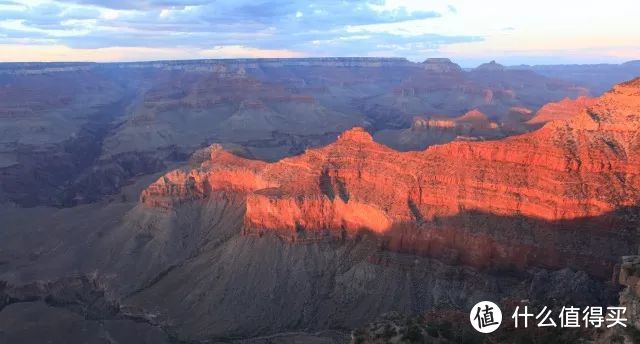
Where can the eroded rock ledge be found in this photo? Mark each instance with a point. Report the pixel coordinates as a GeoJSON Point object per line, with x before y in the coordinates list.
{"type": "Point", "coordinates": [563, 195]}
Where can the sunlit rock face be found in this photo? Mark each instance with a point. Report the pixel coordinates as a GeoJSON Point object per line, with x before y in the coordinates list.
{"type": "Point", "coordinates": [514, 202]}
{"type": "Point", "coordinates": [562, 110]}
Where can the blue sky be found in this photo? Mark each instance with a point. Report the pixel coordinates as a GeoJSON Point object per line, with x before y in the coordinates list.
{"type": "Point", "coordinates": [470, 32]}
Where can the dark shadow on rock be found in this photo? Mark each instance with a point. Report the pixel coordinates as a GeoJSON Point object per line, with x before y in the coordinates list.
{"type": "Point", "coordinates": [516, 243]}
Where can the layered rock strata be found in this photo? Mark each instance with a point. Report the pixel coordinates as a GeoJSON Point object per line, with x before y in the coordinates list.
{"type": "Point", "coordinates": [562, 110]}
{"type": "Point", "coordinates": [561, 196]}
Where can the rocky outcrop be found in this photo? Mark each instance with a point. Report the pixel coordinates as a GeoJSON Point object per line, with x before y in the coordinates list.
{"type": "Point", "coordinates": [70, 310]}
{"type": "Point", "coordinates": [628, 275]}
{"type": "Point", "coordinates": [577, 175]}
{"type": "Point", "coordinates": [426, 131]}
{"type": "Point", "coordinates": [471, 121]}
{"type": "Point", "coordinates": [491, 66]}
{"type": "Point", "coordinates": [630, 296]}
{"type": "Point", "coordinates": [80, 294]}
{"type": "Point", "coordinates": [562, 110]}
{"type": "Point", "coordinates": [440, 65]}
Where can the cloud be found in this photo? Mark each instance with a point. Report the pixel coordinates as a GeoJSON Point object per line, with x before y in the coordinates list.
{"type": "Point", "coordinates": [411, 28]}
{"type": "Point", "coordinates": [9, 3]}
{"type": "Point", "coordinates": [414, 47]}
{"type": "Point", "coordinates": [46, 15]}
{"type": "Point", "coordinates": [294, 27]}
{"type": "Point", "coordinates": [139, 4]}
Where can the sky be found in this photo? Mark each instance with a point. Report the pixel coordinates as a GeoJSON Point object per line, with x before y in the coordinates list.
{"type": "Point", "coordinates": [469, 32]}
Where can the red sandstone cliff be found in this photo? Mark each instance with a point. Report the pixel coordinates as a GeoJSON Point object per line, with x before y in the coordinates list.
{"type": "Point", "coordinates": [562, 110]}
{"type": "Point", "coordinates": [588, 166]}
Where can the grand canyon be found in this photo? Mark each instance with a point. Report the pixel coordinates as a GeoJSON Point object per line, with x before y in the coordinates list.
{"type": "Point", "coordinates": [323, 200]}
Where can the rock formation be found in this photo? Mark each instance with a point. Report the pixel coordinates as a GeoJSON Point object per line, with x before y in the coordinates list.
{"type": "Point", "coordinates": [596, 78]}
{"type": "Point", "coordinates": [562, 110]}
{"type": "Point", "coordinates": [566, 178]}
{"type": "Point", "coordinates": [135, 118]}
{"type": "Point", "coordinates": [441, 65]}
{"type": "Point", "coordinates": [429, 130]}
{"type": "Point", "coordinates": [231, 247]}
{"type": "Point", "coordinates": [630, 297]}
{"type": "Point", "coordinates": [491, 66]}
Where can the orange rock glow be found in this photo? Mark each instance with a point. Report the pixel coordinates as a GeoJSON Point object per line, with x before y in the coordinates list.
{"type": "Point", "coordinates": [584, 167]}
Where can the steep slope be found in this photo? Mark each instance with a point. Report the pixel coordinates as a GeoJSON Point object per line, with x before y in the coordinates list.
{"type": "Point", "coordinates": [562, 110]}
{"type": "Point", "coordinates": [193, 271]}
{"type": "Point", "coordinates": [577, 176]}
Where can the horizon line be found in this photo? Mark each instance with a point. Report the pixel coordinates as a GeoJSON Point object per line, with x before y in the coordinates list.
{"type": "Point", "coordinates": [389, 58]}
